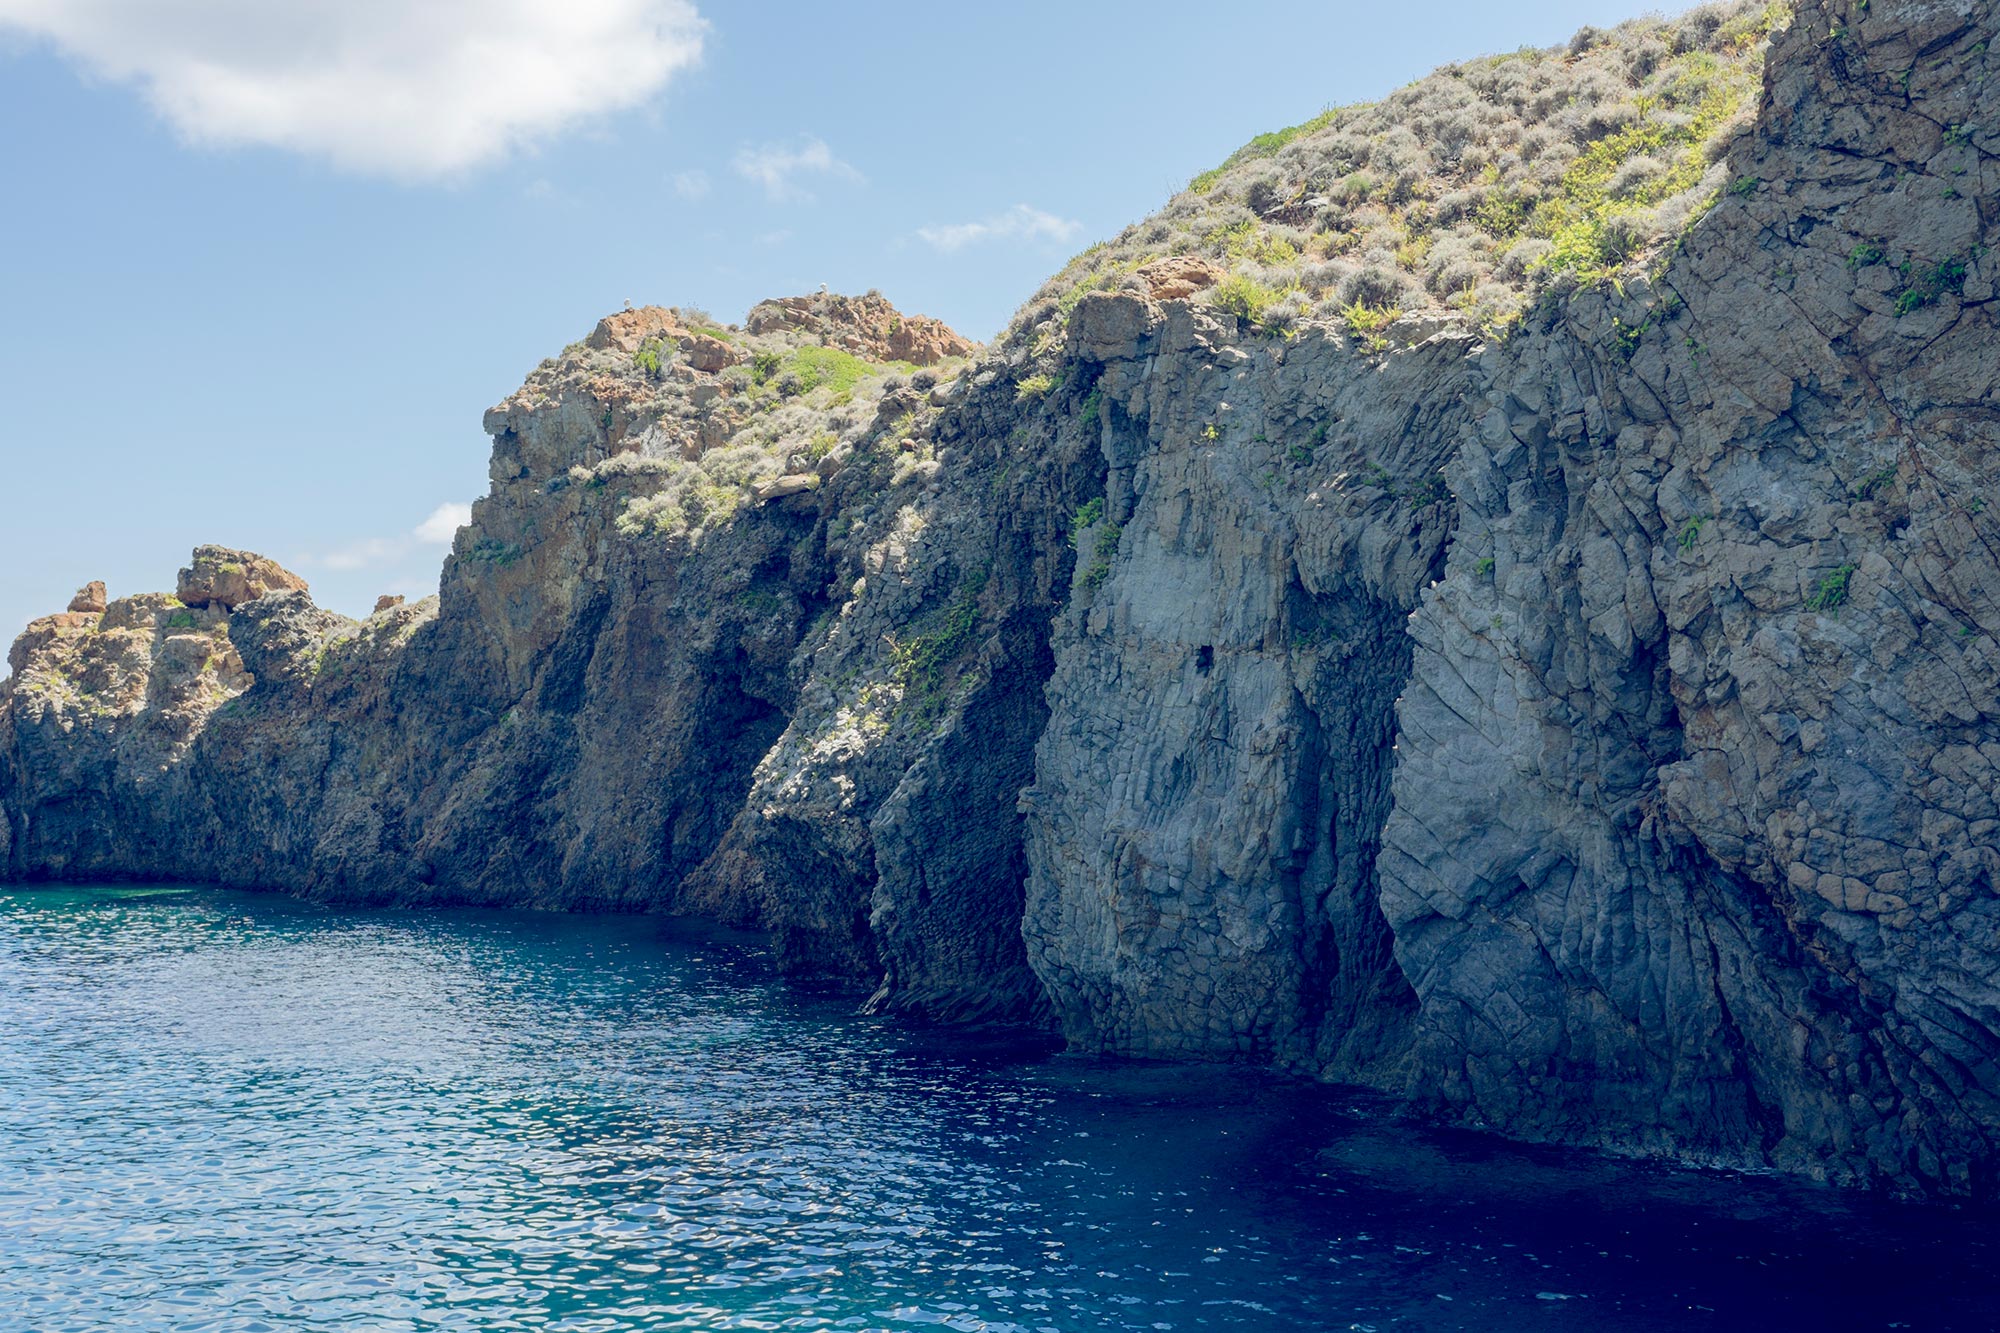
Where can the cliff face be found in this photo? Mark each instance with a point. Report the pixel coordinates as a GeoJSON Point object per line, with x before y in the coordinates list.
{"type": "Point", "coordinates": [1572, 708]}
{"type": "Point", "coordinates": [1697, 753]}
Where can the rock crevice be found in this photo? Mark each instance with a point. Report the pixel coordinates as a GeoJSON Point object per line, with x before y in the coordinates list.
{"type": "Point", "coordinates": [1585, 728]}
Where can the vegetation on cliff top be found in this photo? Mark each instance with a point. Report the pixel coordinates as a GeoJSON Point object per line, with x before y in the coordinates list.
{"type": "Point", "coordinates": [692, 415]}
{"type": "Point", "coordinates": [1469, 193]}
{"type": "Point", "coordinates": [1473, 190]}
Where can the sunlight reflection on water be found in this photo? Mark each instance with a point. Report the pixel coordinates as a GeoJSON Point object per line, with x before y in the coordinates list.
{"type": "Point", "coordinates": [235, 1112]}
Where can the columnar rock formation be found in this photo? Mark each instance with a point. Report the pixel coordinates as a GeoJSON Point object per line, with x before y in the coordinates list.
{"type": "Point", "coordinates": [1582, 726]}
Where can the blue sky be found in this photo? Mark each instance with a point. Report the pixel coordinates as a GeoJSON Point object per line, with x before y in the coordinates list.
{"type": "Point", "coordinates": [263, 264]}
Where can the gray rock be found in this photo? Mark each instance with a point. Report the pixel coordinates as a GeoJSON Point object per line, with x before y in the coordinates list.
{"type": "Point", "coordinates": [1591, 734]}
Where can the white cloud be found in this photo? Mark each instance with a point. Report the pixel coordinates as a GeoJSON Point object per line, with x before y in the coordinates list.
{"type": "Point", "coordinates": [443, 524]}
{"type": "Point", "coordinates": [691, 184]}
{"type": "Point", "coordinates": [1019, 223]}
{"type": "Point", "coordinates": [366, 553]}
{"type": "Point", "coordinates": [777, 167]}
{"type": "Point", "coordinates": [414, 91]}
{"type": "Point", "coordinates": [439, 529]}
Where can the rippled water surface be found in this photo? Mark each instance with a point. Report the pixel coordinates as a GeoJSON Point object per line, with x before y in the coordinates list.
{"type": "Point", "coordinates": [226, 1111]}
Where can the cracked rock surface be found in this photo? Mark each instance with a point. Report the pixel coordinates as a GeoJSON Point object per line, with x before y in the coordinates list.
{"type": "Point", "coordinates": [1590, 733]}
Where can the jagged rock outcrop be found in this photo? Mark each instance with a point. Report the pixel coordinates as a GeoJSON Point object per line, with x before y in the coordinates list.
{"type": "Point", "coordinates": [225, 578]}
{"type": "Point", "coordinates": [1572, 708]}
{"type": "Point", "coordinates": [865, 325]}
{"type": "Point", "coordinates": [1178, 277]}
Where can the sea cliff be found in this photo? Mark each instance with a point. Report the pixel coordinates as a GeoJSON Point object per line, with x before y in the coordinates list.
{"type": "Point", "coordinates": [1490, 596]}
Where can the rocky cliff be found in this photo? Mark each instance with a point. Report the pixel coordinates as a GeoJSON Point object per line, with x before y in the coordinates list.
{"type": "Point", "coordinates": [1489, 595]}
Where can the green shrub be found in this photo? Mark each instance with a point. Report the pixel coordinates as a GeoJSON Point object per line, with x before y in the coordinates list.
{"type": "Point", "coordinates": [1367, 322]}
{"type": "Point", "coordinates": [1246, 298]}
{"type": "Point", "coordinates": [1831, 591]}
{"type": "Point", "coordinates": [1875, 481]}
{"type": "Point", "coordinates": [1925, 283]}
{"type": "Point", "coordinates": [1264, 145]}
{"type": "Point", "coordinates": [828, 367]}
{"type": "Point", "coordinates": [1034, 386]}
{"type": "Point", "coordinates": [1088, 514]}
{"type": "Point", "coordinates": [924, 662]}
{"type": "Point", "coordinates": [1474, 190]}
{"type": "Point", "coordinates": [1501, 215]}
{"type": "Point", "coordinates": [1629, 336]}
{"type": "Point", "coordinates": [1434, 491]}
{"type": "Point", "coordinates": [803, 370]}
{"type": "Point", "coordinates": [491, 552]}
{"type": "Point", "coordinates": [1104, 551]}
{"type": "Point", "coordinates": [1582, 218]}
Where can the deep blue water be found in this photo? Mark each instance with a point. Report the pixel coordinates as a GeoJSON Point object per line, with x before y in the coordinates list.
{"type": "Point", "coordinates": [230, 1111]}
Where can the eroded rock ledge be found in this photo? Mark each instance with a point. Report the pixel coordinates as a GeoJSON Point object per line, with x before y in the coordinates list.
{"type": "Point", "coordinates": [1587, 732]}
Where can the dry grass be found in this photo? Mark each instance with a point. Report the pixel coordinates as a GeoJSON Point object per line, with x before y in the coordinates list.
{"type": "Point", "coordinates": [1472, 191]}
{"type": "Point", "coordinates": [691, 445]}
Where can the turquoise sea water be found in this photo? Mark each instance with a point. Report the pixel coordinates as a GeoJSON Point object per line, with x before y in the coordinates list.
{"type": "Point", "coordinates": [223, 1111]}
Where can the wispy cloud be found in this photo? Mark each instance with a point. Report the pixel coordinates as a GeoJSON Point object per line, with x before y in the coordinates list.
{"type": "Point", "coordinates": [437, 529]}
{"type": "Point", "coordinates": [691, 184]}
{"type": "Point", "coordinates": [366, 553]}
{"type": "Point", "coordinates": [412, 91]}
{"type": "Point", "coordinates": [779, 167]}
{"type": "Point", "coordinates": [1019, 223]}
{"type": "Point", "coordinates": [443, 524]}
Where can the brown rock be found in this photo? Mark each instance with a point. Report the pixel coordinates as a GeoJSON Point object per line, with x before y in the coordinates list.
{"type": "Point", "coordinates": [90, 597]}
{"type": "Point", "coordinates": [925, 342]}
{"type": "Point", "coordinates": [791, 314]}
{"type": "Point", "coordinates": [226, 578]}
{"type": "Point", "coordinates": [40, 634]}
{"type": "Point", "coordinates": [707, 353]}
{"type": "Point", "coordinates": [617, 396]}
{"type": "Point", "coordinates": [148, 611]}
{"type": "Point", "coordinates": [627, 329]}
{"type": "Point", "coordinates": [387, 601]}
{"type": "Point", "coordinates": [773, 488]}
{"type": "Point", "coordinates": [1179, 276]}
{"type": "Point", "coordinates": [865, 325]}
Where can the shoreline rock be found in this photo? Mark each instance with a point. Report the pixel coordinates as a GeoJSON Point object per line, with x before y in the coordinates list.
{"type": "Point", "coordinates": [1590, 733]}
